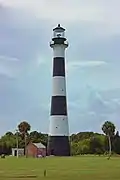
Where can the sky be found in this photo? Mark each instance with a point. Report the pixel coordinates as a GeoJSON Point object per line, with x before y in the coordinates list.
{"type": "Point", "coordinates": [92, 62]}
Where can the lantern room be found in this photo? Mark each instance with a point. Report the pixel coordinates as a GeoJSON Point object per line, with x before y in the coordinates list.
{"type": "Point", "coordinates": [58, 32]}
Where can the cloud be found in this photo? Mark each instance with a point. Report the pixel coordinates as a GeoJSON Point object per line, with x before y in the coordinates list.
{"type": "Point", "coordinates": [75, 11]}
{"type": "Point", "coordinates": [96, 111]}
{"type": "Point", "coordinates": [9, 66]}
{"type": "Point", "coordinates": [84, 64]}
{"type": "Point", "coordinates": [25, 32]}
{"type": "Point", "coordinates": [104, 12]}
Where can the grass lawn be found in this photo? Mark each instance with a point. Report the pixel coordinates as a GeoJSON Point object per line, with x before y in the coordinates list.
{"type": "Point", "coordinates": [69, 168]}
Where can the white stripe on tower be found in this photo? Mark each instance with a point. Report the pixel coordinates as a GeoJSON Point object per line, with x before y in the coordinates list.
{"type": "Point", "coordinates": [59, 50]}
{"type": "Point", "coordinates": [59, 126]}
{"type": "Point", "coordinates": [59, 86]}
{"type": "Point", "coordinates": [58, 140]}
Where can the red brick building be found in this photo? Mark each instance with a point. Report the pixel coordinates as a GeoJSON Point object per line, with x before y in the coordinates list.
{"type": "Point", "coordinates": [35, 150]}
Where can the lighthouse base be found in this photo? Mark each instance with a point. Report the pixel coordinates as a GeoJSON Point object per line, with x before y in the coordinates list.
{"type": "Point", "coordinates": [58, 146]}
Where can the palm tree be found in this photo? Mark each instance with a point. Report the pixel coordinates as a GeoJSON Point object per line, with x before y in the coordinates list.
{"type": "Point", "coordinates": [23, 128]}
{"type": "Point", "coordinates": [108, 128]}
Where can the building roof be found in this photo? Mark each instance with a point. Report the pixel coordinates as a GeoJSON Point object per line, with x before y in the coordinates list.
{"type": "Point", "coordinates": [39, 145]}
{"type": "Point", "coordinates": [59, 27]}
{"type": "Point", "coordinates": [17, 148]}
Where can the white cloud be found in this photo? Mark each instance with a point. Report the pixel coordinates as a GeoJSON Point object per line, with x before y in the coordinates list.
{"type": "Point", "coordinates": [9, 66]}
{"type": "Point", "coordinates": [116, 100]}
{"type": "Point", "coordinates": [52, 9]}
{"type": "Point", "coordinates": [8, 59]}
{"type": "Point", "coordinates": [71, 66]}
{"type": "Point", "coordinates": [91, 113]}
{"type": "Point", "coordinates": [72, 11]}
{"type": "Point", "coordinates": [102, 15]}
{"type": "Point", "coordinates": [91, 17]}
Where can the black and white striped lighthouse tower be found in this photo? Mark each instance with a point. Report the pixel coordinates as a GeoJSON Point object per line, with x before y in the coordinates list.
{"type": "Point", "coordinates": [58, 139]}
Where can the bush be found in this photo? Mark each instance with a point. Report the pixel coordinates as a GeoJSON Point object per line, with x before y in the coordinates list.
{"type": "Point", "coordinates": [3, 156]}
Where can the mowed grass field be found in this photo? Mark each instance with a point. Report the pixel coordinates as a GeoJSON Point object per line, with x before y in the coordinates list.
{"type": "Point", "coordinates": [60, 168]}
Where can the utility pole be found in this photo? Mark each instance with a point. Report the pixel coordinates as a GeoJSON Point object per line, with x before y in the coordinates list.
{"type": "Point", "coordinates": [25, 144]}
{"type": "Point", "coordinates": [17, 143]}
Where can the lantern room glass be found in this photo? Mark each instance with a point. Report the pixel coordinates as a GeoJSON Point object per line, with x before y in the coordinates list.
{"type": "Point", "coordinates": [58, 33]}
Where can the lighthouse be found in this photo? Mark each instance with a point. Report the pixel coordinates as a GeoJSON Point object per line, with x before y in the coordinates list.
{"type": "Point", "coordinates": [58, 138]}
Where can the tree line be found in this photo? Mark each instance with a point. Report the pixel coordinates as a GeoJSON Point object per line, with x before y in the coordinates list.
{"type": "Point", "coordinates": [81, 143]}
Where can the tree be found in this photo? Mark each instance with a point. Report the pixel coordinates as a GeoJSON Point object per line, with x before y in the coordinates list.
{"type": "Point", "coordinates": [96, 145]}
{"type": "Point", "coordinates": [23, 128]}
{"type": "Point", "coordinates": [9, 133]}
{"type": "Point", "coordinates": [34, 136]}
{"type": "Point", "coordinates": [37, 137]}
{"type": "Point", "coordinates": [108, 128]}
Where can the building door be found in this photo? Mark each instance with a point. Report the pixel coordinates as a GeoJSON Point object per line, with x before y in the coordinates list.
{"type": "Point", "coordinates": [52, 151]}
{"type": "Point", "coordinates": [15, 153]}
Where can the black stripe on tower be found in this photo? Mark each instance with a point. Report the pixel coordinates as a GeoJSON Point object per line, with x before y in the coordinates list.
{"type": "Point", "coordinates": [58, 41]}
{"type": "Point", "coordinates": [58, 105]}
{"type": "Point", "coordinates": [58, 146]}
{"type": "Point", "coordinates": [58, 66]}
